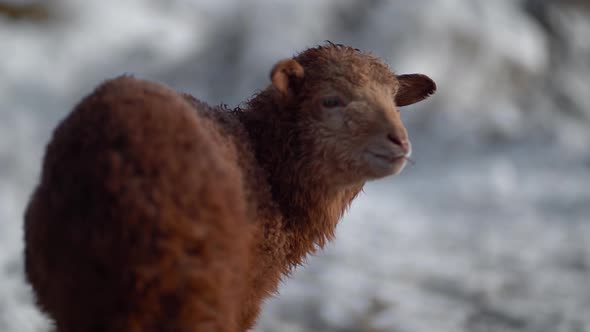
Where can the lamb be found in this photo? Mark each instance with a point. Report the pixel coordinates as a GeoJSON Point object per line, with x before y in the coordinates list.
{"type": "Point", "coordinates": [157, 212]}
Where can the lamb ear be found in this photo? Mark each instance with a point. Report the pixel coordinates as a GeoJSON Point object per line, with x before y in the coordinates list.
{"type": "Point", "coordinates": [286, 76]}
{"type": "Point", "coordinates": [413, 88]}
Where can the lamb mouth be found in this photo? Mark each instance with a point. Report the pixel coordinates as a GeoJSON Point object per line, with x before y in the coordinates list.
{"type": "Point", "coordinates": [391, 159]}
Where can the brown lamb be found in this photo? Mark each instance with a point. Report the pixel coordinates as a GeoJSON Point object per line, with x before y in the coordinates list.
{"type": "Point", "coordinates": [157, 212]}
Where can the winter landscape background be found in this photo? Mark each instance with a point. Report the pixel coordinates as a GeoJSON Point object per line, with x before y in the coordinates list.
{"type": "Point", "coordinates": [489, 230]}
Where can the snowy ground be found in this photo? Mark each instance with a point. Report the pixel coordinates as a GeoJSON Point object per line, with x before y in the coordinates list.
{"type": "Point", "coordinates": [499, 244]}
{"type": "Point", "coordinates": [488, 231]}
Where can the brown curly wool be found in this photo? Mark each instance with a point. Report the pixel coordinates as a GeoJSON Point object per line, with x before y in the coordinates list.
{"type": "Point", "coordinates": [156, 212]}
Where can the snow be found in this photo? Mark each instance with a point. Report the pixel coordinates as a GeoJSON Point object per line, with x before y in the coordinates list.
{"type": "Point", "coordinates": [487, 231]}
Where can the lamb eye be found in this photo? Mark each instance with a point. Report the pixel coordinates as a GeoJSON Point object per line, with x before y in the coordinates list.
{"type": "Point", "coordinates": [331, 102]}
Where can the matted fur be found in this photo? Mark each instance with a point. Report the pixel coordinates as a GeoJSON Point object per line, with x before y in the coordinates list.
{"type": "Point", "coordinates": [156, 212]}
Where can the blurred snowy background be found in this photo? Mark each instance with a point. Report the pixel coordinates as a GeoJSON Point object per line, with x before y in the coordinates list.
{"type": "Point", "coordinates": [488, 231]}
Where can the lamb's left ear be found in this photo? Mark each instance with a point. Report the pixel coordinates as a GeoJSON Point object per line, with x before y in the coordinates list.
{"type": "Point", "coordinates": [286, 76]}
{"type": "Point", "coordinates": [413, 88]}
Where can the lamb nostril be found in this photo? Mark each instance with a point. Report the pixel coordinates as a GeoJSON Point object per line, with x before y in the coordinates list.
{"type": "Point", "coordinates": [401, 142]}
{"type": "Point", "coordinates": [395, 139]}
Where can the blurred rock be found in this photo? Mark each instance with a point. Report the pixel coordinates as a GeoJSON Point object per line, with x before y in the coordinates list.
{"type": "Point", "coordinates": [32, 11]}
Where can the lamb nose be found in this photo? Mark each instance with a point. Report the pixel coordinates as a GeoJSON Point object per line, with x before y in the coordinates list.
{"type": "Point", "coordinates": [395, 139]}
